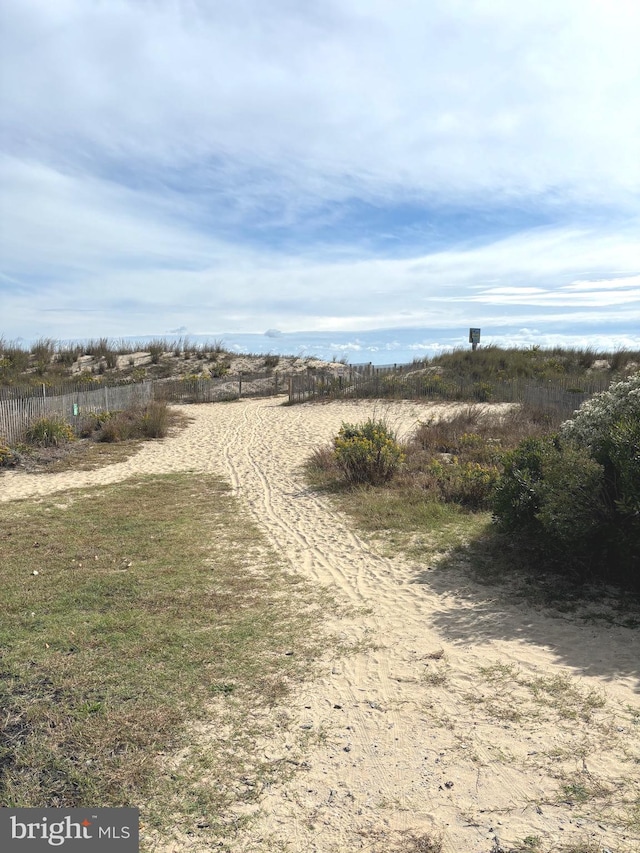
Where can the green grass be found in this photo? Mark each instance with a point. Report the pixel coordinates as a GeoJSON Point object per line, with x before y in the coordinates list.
{"type": "Point", "coordinates": [136, 618]}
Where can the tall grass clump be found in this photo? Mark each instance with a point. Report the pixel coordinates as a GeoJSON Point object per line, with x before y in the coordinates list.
{"type": "Point", "coordinates": [150, 421]}
{"type": "Point", "coordinates": [367, 452]}
{"type": "Point", "coordinates": [49, 432]}
{"type": "Point", "coordinates": [578, 491]}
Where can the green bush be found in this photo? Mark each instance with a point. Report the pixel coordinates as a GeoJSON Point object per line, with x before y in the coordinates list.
{"type": "Point", "coordinates": [609, 426]}
{"type": "Point", "coordinates": [367, 452]}
{"type": "Point", "coordinates": [579, 491]}
{"type": "Point", "coordinates": [516, 500]}
{"type": "Point", "coordinates": [49, 432]}
{"type": "Point", "coordinates": [555, 491]}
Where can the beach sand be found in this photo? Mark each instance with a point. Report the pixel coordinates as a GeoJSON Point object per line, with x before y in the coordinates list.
{"type": "Point", "coordinates": [455, 714]}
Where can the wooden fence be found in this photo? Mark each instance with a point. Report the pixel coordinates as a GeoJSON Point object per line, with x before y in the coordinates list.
{"type": "Point", "coordinates": [566, 394]}
{"type": "Point", "coordinates": [17, 412]}
{"type": "Point", "coordinates": [19, 407]}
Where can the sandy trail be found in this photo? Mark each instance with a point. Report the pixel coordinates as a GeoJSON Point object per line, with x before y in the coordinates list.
{"type": "Point", "coordinates": [464, 716]}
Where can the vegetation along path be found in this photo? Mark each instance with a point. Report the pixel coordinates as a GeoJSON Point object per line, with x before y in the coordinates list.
{"type": "Point", "coordinates": [448, 720]}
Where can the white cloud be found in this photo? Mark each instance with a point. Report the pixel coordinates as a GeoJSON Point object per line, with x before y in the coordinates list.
{"type": "Point", "coordinates": [452, 97]}
{"type": "Point", "coordinates": [152, 148]}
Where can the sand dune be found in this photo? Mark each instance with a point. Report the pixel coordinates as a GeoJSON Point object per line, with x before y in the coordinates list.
{"type": "Point", "coordinates": [456, 714]}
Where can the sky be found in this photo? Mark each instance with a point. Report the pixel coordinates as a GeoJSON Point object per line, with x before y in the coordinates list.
{"type": "Point", "coordinates": [209, 168]}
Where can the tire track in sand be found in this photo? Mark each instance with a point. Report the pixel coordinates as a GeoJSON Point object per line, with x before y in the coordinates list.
{"type": "Point", "coordinates": [406, 741]}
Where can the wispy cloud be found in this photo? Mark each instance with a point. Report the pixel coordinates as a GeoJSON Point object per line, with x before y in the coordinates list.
{"type": "Point", "coordinates": [210, 166]}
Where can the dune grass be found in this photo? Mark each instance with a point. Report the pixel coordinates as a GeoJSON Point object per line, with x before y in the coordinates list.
{"type": "Point", "coordinates": [137, 618]}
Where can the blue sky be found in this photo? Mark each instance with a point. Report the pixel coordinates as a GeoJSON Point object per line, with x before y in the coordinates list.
{"type": "Point", "coordinates": [224, 167]}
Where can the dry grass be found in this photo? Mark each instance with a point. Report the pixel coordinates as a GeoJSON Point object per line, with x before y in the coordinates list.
{"type": "Point", "coordinates": [133, 614]}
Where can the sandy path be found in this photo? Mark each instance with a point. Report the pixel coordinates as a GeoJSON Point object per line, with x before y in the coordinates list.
{"type": "Point", "coordinates": [474, 744]}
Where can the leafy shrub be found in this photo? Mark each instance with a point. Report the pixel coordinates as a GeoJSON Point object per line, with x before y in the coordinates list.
{"type": "Point", "coordinates": [552, 486]}
{"type": "Point", "coordinates": [581, 488]}
{"type": "Point", "coordinates": [367, 452]}
{"type": "Point", "coordinates": [516, 500]}
{"type": "Point", "coordinates": [608, 425]}
{"type": "Point", "coordinates": [49, 432]}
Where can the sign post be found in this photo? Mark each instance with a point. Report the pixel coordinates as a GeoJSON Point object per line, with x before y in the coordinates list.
{"type": "Point", "coordinates": [474, 338]}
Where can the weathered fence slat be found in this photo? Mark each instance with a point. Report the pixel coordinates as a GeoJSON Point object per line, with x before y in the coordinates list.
{"type": "Point", "coordinates": [20, 407]}
{"type": "Point", "coordinates": [369, 382]}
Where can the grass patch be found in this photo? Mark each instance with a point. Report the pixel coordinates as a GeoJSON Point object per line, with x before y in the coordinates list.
{"type": "Point", "coordinates": [138, 619]}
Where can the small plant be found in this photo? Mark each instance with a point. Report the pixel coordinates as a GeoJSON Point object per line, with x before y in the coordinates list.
{"type": "Point", "coordinates": [155, 420]}
{"type": "Point", "coordinates": [49, 432]}
{"type": "Point", "coordinates": [367, 452]}
{"type": "Point", "coordinates": [92, 423]}
{"type": "Point", "coordinates": [8, 457]}
{"type": "Point", "coordinates": [271, 361]}
{"type": "Point", "coordinates": [156, 349]}
{"type": "Point", "coordinates": [219, 369]}
{"type": "Point", "coordinates": [468, 483]}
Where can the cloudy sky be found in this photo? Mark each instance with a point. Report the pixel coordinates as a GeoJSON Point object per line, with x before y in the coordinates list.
{"type": "Point", "coordinates": [221, 166]}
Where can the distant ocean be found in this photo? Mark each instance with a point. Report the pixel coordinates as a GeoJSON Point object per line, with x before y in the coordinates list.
{"type": "Point", "coordinates": [402, 346]}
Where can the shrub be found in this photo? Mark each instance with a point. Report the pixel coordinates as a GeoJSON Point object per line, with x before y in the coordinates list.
{"type": "Point", "coordinates": [92, 423]}
{"type": "Point", "coordinates": [516, 499]}
{"type": "Point", "coordinates": [608, 425]}
{"type": "Point", "coordinates": [271, 361]}
{"type": "Point", "coordinates": [219, 369]}
{"type": "Point", "coordinates": [467, 483]}
{"type": "Point", "coordinates": [367, 452]}
{"type": "Point", "coordinates": [49, 432]}
{"type": "Point", "coordinates": [150, 421]}
{"type": "Point", "coordinates": [8, 457]}
{"type": "Point", "coordinates": [581, 488]}
{"type": "Point", "coordinates": [594, 421]}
